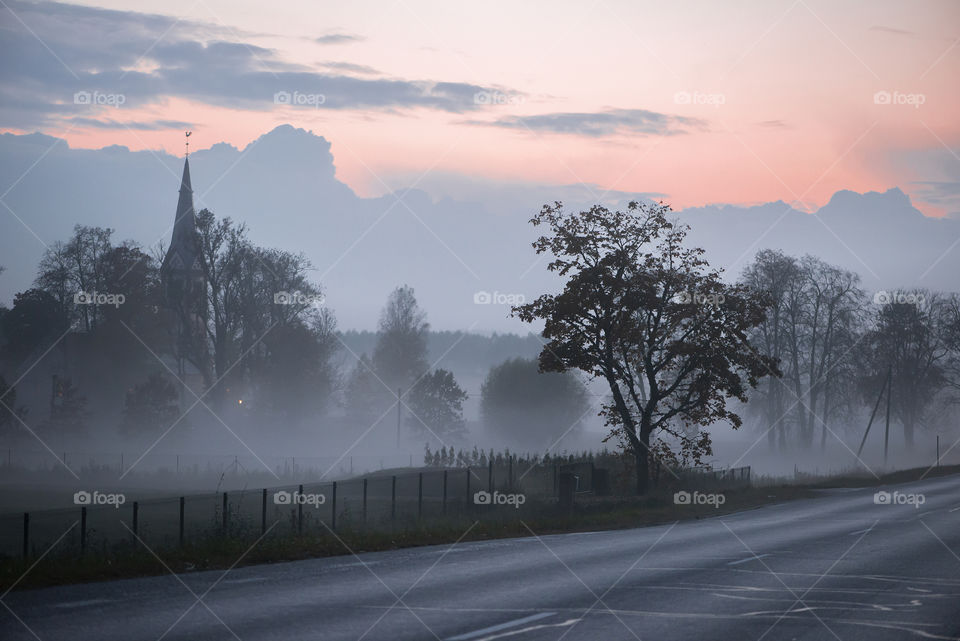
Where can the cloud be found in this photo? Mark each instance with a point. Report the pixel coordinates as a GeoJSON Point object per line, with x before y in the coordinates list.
{"type": "Point", "coordinates": [338, 38]}
{"type": "Point", "coordinates": [774, 124]}
{"type": "Point", "coordinates": [154, 125]}
{"type": "Point", "coordinates": [348, 67]}
{"type": "Point", "coordinates": [148, 59]}
{"type": "Point", "coordinates": [603, 123]}
{"type": "Point", "coordinates": [936, 175]}
{"type": "Point", "coordinates": [284, 186]}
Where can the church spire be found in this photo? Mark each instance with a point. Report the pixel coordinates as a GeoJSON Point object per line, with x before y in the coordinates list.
{"type": "Point", "coordinates": [184, 250]}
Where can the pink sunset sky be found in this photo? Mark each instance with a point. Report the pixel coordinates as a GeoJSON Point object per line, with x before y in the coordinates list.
{"type": "Point", "coordinates": [697, 102]}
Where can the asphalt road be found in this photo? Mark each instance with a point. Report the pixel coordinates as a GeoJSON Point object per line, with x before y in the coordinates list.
{"type": "Point", "coordinates": [834, 567]}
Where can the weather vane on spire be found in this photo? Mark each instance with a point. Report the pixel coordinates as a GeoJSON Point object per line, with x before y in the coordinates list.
{"type": "Point", "coordinates": [187, 140]}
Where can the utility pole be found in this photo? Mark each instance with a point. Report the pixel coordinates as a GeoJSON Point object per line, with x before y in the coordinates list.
{"type": "Point", "coordinates": [872, 415]}
{"type": "Point", "coordinates": [398, 417]}
{"type": "Point", "coordinates": [886, 434]}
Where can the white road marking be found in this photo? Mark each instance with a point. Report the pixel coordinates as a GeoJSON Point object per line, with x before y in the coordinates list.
{"type": "Point", "coordinates": [955, 509]}
{"type": "Point", "coordinates": [81, 604]}
{"type": "Point", "coordinates": [502, 626]}
{"type": "Point", "coordinates": [253, 579]}
{"type": "Point", "coordinates": [751, 558]}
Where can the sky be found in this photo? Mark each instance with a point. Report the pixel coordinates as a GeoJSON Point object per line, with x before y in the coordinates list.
{"type": "Point", "coordinates": [689, 102]}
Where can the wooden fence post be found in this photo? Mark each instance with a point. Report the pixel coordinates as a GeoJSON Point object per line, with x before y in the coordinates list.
{"type": "Point", "coordinates": [444, 492]}
{"type": "Point", "coordinates": [225, 516]}
{"type": "Point", "coordinates": [393, 497]}
{"type": "Point", "coordinates": [136, 519]}
{"type": "Point", "coordinates": [83, 529]}
{"type": "Point", "coordinates": [333, 508]}
{"type": "Point", "coordinates": [300, 508]}
{"type": "Point", "coordinates": [364, 500]}
{"type": "Point", "coordinates": [26, 534]}
{"type": "Point", "coordinates": [263, 512]}
{"type": "Point", "coordinates": [183, 501]}
{"type": "Point", "coordinates": [420, 495]}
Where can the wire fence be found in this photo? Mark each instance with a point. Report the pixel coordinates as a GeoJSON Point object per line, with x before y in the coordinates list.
{"type": "Point", "coordinates": [101, 521]}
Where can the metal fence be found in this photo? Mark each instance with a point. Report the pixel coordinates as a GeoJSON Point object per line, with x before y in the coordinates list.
{"type": "Point", "coordinates": [101, 522]}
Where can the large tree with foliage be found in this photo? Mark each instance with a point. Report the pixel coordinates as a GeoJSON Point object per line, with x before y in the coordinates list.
{"type": "Point", "coordinates": [646, 314]}
{"type": "Point", "coordinates": [253, 292]}
{"type": "Point", "coordinates": [530, 408]}
{"type": "Point", "coordinates": [435, 402]}
{"type": "Point", "coordinates": [400, 356]}
{"type": "Point", "coordinates": [150, 407]}
{"type": "Point", "coordinates": [35, 320]}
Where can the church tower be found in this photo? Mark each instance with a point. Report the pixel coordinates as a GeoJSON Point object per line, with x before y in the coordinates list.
{"type": "Point", "coordinates": [184, 288]}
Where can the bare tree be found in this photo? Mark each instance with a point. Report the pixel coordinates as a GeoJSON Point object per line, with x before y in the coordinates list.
{"type": "Point", "coordinates": [910, 343]}
{"type": "Point", "coordinates": [813, 323]}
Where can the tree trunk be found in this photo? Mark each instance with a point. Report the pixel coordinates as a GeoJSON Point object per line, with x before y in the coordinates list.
{"type": "Point", "coordinates": [826, 414]}
{"type": "Point", "coordinates": [643, 472]}
{"type": "Point", "coordinates": [642, 454]}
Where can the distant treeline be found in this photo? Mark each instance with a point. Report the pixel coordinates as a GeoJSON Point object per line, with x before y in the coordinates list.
{"type": "Point", "coordinates": [459, 351]}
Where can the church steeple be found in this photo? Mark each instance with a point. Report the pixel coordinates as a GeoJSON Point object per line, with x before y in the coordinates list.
{"type": "Point", "coordinates": [184, 251]}
{"type": "Point", "coordinates": [184, 285]}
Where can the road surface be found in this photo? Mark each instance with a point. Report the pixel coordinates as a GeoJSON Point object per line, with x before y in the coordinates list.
{"type": "Point", "coordinates": [838, 566]}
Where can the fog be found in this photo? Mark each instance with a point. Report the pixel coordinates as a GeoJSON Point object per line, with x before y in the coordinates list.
{"type": "Point", "coordinates": [319, 400]}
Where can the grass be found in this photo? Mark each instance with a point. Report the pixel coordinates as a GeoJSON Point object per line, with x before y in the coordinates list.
{"type": "Point", "coordinates": [214, 551]}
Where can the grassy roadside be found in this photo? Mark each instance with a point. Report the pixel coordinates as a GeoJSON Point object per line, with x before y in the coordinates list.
{"type": "Point", "coordinates": [215, 552]}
